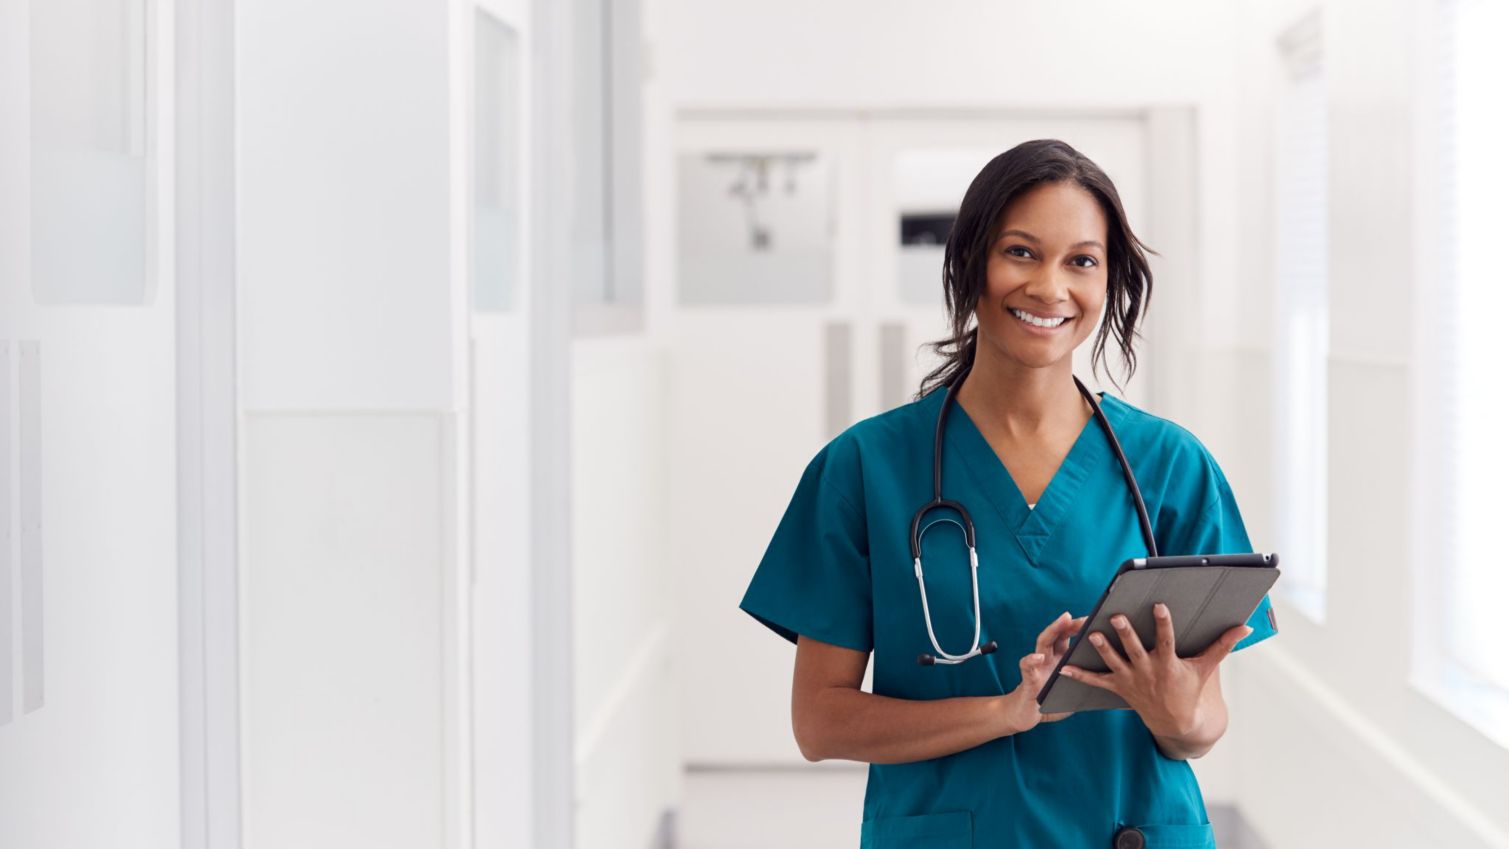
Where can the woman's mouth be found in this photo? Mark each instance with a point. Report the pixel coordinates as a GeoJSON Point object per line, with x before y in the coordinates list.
{"type": "Point", "coordinates": [1039, 322]}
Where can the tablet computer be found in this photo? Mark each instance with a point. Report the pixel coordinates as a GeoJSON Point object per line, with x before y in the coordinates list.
{"type": "Point", "coordinates": [1206, 594]}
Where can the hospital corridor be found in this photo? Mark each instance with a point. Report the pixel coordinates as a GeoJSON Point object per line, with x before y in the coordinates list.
{"type": "Point", "coordinates": [658, 424]}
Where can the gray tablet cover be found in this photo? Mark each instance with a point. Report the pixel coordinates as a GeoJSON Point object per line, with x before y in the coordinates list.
{"type": "Point", "coordinates": [1204, 601]}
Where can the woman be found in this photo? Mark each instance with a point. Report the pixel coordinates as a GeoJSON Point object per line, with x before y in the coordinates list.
{"type": "Point", "coordinates": [959, 754]}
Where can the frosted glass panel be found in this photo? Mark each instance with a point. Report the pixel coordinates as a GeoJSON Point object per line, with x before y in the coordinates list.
{"type": "Point", "coordinates": [606, 194]}
{"type": "Point", "coordinates": [495, 194]}
{"type": "Point", "coordinates": [89, 141]}
{"type": "Point", "coordinates": [755, 228]}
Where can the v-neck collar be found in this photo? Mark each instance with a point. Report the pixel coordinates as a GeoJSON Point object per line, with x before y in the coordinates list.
{"type": "Point", "coordinates": [967, 452]}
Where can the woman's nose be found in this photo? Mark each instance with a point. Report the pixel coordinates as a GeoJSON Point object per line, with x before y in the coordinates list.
{"type": "Point", "coordinates": [1048, 286]}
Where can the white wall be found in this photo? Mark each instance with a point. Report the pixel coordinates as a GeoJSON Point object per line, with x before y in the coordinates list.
{"type": "Point", "coordinates": [627, 705]}
{"type": "Point", "coordinates": [1342, 750]}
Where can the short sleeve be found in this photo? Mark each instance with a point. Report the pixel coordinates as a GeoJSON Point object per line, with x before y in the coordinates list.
{"type": "Point", "coordinates": [1220, 530]}
{"type": "Point", "coordinates": [815, 576]}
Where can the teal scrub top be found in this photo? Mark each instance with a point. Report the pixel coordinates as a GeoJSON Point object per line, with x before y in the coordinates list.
{"type": "Point", "coordinates": [839, 570]}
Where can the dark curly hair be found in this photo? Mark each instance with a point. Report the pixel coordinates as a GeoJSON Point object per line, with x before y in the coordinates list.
{"type": "Point", "coordinates": [1129, 281]}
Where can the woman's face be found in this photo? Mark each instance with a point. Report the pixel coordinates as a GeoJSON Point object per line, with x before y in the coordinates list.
{"type": "Point", "coordinates": [1047, 264]}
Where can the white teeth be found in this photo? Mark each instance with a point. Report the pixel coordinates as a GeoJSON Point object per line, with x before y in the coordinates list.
{"type": "Point", "coordinates": [1039, 322]}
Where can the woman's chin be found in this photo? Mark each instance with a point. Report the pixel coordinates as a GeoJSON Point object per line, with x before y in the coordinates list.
{"type": "Point", "coordinates": [1038, 356]}
{"type": "Point", "coordinates": [1034, 352]}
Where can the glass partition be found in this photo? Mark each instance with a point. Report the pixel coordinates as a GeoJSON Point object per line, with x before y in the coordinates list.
{"type": "Point", "coordinates": [495, 170]}
{"type": "Point", "coordinates": [90, 144]}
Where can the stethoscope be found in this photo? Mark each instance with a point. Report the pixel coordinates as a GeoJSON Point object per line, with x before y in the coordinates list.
{"type": "Point", "coordinates": [968, 526]}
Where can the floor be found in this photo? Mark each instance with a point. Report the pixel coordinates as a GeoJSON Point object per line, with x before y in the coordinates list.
{"type": "Point", "coordinates": [799, 808]}
{"type": "Point", "coordinates": [816, 807]}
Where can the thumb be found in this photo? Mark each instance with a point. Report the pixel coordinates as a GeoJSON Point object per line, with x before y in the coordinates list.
{"type": "Point", "coordinates": [1218, 650]}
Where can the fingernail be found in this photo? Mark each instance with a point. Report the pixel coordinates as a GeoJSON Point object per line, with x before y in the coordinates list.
{"type": "Point", "coordinates": [1037, 658]}
{"type": "Point", "coordinates": [1069, 671]}
{"type": "Point", "coordinates": [1161, 609]}
{"type": "Point", "coordinates": [1097, 639]}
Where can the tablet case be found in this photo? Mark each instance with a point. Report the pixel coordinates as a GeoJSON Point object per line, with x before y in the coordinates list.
{"type": "Point", "coordinates": [1206, 596]}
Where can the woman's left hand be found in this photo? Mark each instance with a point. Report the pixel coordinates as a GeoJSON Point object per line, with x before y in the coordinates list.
{"type": "Point", "coordinates": [1162, 687]}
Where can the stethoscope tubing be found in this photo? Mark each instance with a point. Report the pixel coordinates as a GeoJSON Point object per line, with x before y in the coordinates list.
{"type": "Point", "coordinates": [966, 524]}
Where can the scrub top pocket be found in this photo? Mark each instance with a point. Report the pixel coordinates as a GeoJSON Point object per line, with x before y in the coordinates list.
{"type": "Point", "coordinates": [951, 830]}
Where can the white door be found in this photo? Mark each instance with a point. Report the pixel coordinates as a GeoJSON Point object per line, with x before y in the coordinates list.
{"type": "Point", "coordinates": [89, 662]}
{"type": "Point", "coordinates": [777, 342]}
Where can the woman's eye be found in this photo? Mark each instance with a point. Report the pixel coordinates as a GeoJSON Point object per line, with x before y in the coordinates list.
{"type": "Point", "coordinates": [1093, 261]}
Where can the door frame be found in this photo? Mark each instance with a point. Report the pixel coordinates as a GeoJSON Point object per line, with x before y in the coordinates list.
{"type": "Point", "coordinates": [550, 658]}
{"type": "Point", "coordinates": [205, 334]}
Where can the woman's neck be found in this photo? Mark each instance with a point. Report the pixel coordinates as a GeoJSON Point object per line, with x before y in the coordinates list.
{"type": "Point", "coordinates": [1022, 402]}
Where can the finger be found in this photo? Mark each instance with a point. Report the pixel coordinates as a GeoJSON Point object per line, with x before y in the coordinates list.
{"type": "Point", "coordinates": [1164, 620]}
{"type": "Point", "coordinates": [1108, 652]}
{"type": "Point", "coordinates": [1070, 629]}
{"type": "Point", "coordinates": [1131, 642]}
{"type": "Point", "coordinates": [1054, 717]}
{"type": "Point", "coordinates": [1033, 666]}
{"type": "Point", "coordinates": [1218, 650]}
{"type": "Point", "coordinates": [1049, 634]}
{"type": "Point", "coordinates": [1036, 674]}
{"type": "Point", "coordinates": [1094, 679]}
{"type": "Point", "coordinates": [1046, 639]}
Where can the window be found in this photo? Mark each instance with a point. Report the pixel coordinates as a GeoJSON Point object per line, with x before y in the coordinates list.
{"type": "Point", "coordinates": [496, 198]}
{"type": "Point", "coordinates": [92, 151]}
{"type": "Point", "coordinates": [1302, 320]}
{"type": "Point", "coordinates": [1462, 459]}
{"type": "Point", "coordinates": [606, 199]}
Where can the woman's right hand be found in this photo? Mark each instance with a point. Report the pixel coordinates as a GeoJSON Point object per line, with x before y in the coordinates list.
{"type": "Point", "coordinates": [1021, 708]}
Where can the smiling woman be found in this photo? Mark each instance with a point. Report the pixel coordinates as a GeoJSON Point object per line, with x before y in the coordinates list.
{"type": "Point", "coordinates": [1047, 223]}
{"type": "Point", "coordinates": [960, 754]}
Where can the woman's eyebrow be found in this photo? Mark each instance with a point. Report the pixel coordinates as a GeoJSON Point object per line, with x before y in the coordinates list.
{"type": "Point", "coordinates": [1031, 238]}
